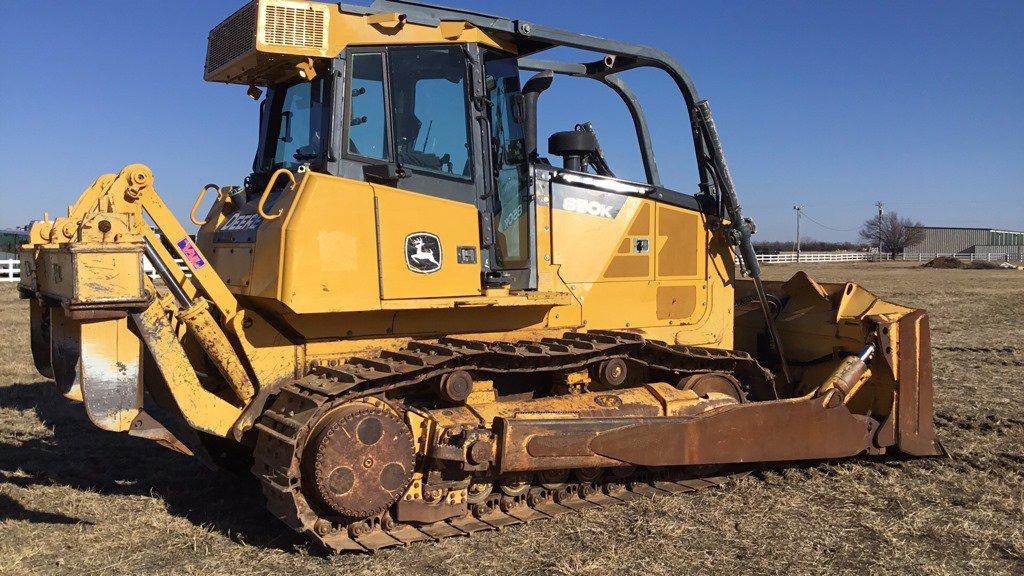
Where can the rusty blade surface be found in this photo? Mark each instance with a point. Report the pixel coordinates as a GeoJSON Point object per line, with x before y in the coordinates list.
{"type": "Point", "coordinates": [915, 429]}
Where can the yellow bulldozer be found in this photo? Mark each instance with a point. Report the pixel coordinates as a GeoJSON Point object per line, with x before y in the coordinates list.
{"type": "Point", "coordinates": [410, 323]}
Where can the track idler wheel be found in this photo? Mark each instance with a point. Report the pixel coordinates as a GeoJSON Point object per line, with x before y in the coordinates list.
{"type": "Point", "coordinates": [514, 484]}
{"type": "Point", "coordinates": [359, 460]}
{"type": "Point", "coordinates": [479, 491]}
{"type": "Point", "coordinates": [455, 386]}
{"type": "Point", "coordinates": [610, 373]}
{"type": "Point", "coordinates": [588, 475]}
{"type": "Point", "coordinates": [719, 382]}
{"type": "Point", "coordinates": [553, 479]}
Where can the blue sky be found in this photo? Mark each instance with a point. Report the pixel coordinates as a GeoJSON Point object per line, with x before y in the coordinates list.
{"type": "Point", "coordinates": [833, 105]}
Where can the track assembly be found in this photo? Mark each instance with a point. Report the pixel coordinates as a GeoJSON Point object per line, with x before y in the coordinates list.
{"type": "Point", "coordinates": [334, 458]}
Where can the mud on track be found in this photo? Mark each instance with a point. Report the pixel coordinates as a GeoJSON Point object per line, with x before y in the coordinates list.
{"type": "Point", "coordinates": [76, 500]}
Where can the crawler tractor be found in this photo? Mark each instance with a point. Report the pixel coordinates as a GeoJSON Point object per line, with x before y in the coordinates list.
{"type": "Point", "coordinates": [412, 322]}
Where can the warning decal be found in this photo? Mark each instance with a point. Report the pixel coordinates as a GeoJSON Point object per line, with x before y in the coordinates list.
{"type": "Point", "coordinates": [191, 253]}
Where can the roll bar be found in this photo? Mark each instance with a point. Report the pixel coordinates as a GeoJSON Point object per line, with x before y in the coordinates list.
{"type": "Point", "coordinates": [619, 57]}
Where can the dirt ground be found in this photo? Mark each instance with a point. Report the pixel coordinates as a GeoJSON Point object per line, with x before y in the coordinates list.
{"type": "Point", "coordinates": [76, 500]}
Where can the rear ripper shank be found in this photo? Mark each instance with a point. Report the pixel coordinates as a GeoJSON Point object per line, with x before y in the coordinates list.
{"type": "Point", "coordinates": [409, 324]}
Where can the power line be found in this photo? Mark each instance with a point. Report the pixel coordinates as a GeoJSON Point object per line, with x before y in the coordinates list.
{"type": "Point", "coordinates": [825, 226]}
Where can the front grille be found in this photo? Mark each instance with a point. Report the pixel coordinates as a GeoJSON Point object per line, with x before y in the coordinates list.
{"type": "Point", "coordinates": [232, 38]}
{"type": "Point", "coordinates": [303, 27]}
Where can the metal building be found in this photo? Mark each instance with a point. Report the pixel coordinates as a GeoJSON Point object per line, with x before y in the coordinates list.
{"type": "Point", "coordinates": [944, 240]}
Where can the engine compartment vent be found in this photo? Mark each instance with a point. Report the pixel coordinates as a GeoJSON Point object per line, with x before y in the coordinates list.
{"type": "Point", "coordinates": [262, 42]}
{"type": "Point", "coordinates": [299, 26]}
{"type": "Point", "coordinates": [232, 38]}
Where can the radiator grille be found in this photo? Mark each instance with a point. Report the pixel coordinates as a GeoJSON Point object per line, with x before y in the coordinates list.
{"type": "Point", "coordinates": [232, 38]}
{"type": "Point", "coordinates": [293, 26]}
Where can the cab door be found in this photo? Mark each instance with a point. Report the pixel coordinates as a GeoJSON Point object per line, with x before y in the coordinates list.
{"type": "Point", "coordinates": [409, 117]}
{"type": "Point", "coordinates": [509, 217]}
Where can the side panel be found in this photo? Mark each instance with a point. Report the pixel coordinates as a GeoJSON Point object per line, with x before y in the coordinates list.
{"type": "Point", "coordinates": [588, 231]}
{"type": "Point", "coordinates": [329, 259]}
{"type": "Point", "coordinates": [343, 246]}
{"type": "Point", "coordinates": [429, 247]}
{"type": "Point", "coordinates": [639, 264]}
{"type": "Point", "coordinates": [319, 256]}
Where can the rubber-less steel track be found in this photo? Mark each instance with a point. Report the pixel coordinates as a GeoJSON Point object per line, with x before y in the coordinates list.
{"type": "Point", "coordinates": [284, 428]}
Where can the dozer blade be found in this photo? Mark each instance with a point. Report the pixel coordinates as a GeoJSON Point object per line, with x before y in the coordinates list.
{"type": "Point", "coordinates": [820, 323]}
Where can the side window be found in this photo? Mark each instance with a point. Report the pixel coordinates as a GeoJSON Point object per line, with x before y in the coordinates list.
{"type": "Point", "coordinates": [296, 131]}
{"type": "Point", "coordinates": [512, 220]}
{"type": "Point", "coordinates": [428, 95]}
{"type": "Point", "coordinates": [367, 128]}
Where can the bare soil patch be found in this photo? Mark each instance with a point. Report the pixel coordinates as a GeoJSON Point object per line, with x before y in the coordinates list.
{"type": "Point", "coordinates": [945, 262]}
{"type": "Point", "coordinates": [76, 500]}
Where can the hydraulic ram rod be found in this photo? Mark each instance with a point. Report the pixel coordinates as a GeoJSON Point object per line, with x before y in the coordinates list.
{"type": "Point", "coordinates": [165, 274]}
{"type": "Point", "coordinates": [741, 229]}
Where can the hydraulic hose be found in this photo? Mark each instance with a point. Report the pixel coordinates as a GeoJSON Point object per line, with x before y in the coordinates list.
{"type": "Point", "coordinates": [740, 229]}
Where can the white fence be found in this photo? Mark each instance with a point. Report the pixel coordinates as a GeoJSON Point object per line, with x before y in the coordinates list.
{"type": "Point", "coordinates": [785, 257]}
{"type": "Point", "coordinates": [10, 270]}
{"type": "Point", "coordinates": [970, 257]}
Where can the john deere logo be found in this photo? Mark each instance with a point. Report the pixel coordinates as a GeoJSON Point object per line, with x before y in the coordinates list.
{"type": "Point", "coordinates": [423, 253]}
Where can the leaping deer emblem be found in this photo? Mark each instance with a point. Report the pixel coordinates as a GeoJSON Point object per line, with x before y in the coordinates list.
{"type": "Point", "coordinates": [422, 254]}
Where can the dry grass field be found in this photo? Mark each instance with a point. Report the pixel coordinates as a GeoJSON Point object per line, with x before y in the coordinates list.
{"type": "Point", "coordinates": [76, 500]}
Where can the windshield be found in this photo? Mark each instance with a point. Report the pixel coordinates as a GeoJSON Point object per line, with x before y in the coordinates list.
{"type": "Point", "coordinates": [428, 91]}
{"type": "Point", "coordinates": [295, 128]}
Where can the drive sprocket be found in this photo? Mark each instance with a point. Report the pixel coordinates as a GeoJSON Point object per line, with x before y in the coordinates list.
{"type": "Point", "coordinates": [359, 460]}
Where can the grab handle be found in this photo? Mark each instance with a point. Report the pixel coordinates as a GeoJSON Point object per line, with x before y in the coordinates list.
{"type": "Point", "coordinates": [199, 200]}
{"type": "Point", "coordinates": [266, 192]}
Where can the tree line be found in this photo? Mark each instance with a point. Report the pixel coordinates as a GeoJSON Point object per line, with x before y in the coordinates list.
{"type": "Point", "coordinates": [893, 232]}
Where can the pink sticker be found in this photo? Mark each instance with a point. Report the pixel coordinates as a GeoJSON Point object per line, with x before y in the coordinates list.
{"type": "Point", "coordinates": [191, 253]}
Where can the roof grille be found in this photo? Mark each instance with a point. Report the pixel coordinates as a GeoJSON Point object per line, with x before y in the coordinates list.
{"type": "Point", "coordinates": [303, 26]}
{"type": "Point", "coordinates": [232, 38]}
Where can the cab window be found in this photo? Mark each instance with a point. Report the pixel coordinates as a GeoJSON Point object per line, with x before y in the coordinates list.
{"type": "Point", "coordinates": [511, 206]}
{"type": "Point", "coordinates": [296, 130]}
{"type": "Point", "coordinates": [428, 100]}
{"type": "Point", "coordinates": [367, 120]}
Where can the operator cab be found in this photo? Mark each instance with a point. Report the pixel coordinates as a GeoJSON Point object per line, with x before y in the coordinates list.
{"type": "Point", "coordinates": [445, 121]}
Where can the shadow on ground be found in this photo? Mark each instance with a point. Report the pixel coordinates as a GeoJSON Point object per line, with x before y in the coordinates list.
{"type": "Point", "coordinates": [80, 456]}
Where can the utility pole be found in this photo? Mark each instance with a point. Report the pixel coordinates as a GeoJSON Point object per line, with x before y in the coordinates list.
{"type": "Point", "coordinates": [799, 208]}
{"type": "Point", "coordinates": [880, 210]}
